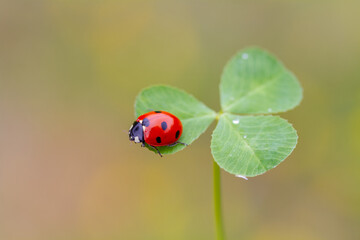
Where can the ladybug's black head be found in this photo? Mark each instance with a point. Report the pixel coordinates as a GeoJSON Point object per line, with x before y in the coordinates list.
{"type": "Point", "coordinates": [136, 132]}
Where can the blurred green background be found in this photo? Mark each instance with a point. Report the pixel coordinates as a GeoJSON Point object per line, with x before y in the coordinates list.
{"type": "Point", "coordinates": [69, 74]}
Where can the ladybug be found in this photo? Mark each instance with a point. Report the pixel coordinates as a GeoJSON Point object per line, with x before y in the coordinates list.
{"type": "Point", "coordinates": [156, 128]}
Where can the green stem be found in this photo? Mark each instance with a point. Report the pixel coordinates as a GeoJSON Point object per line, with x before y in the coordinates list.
{"type": "Point", "coordinates": [217, 203]}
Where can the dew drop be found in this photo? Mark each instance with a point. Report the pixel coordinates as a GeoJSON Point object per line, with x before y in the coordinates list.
{"type": "Point", "coordinates": [245, 136]}
{"type": "Point", "coordinates": [241, 176]}
{"type": "Point", "coordinates": [236, 121]}
{"type": "Point", "coordinates": [269, 110]}
{"type": "Point", "coordinates": [245, 56]}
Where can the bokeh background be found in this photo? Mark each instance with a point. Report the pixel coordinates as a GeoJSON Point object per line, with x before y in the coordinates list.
{"type": "Point", "coordinates": [69, 74]}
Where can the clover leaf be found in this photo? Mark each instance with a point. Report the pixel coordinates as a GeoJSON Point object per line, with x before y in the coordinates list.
{"type": "Point", "coordinates": [253, 82]}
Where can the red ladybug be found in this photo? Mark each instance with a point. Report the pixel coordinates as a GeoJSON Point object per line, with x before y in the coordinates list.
{"type": "Point", "coordinates": [156, 128]}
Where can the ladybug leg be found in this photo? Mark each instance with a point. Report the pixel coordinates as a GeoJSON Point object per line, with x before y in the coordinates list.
{"type": "Point", "coordinates": [176, 143]}
{"type": "Point", "coordinates": [156, 150]}
{"type": "Point", "coordinates": [183, 143]}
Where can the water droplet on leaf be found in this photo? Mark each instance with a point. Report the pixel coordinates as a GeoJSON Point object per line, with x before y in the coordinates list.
{"type": "Point", "coordinates": [241, 176]}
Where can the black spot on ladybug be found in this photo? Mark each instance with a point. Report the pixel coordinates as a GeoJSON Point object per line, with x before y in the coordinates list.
{"type": "Point", "coordinates": [177, 134]}
{"type": "Point", "coordinates": [158, 139]}
{"type": "Point", "coordinates": [145, 122]}
{"type": "Point", "coordinates": [158, 111]}
{"type": "Point", "coordinates": [164, 126]}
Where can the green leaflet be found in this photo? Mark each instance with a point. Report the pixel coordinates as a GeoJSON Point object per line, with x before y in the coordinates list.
{"type": "Point", "coordinates": [254, 81]}
{"type": "Point", "coordinates": [194, 115]}
{"type": "Point", "coordinates": [251, 145]}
